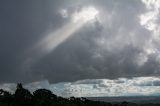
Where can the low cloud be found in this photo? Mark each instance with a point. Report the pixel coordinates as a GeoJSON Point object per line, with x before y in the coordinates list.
{"type": "Point", "coordinates": [137, 86]}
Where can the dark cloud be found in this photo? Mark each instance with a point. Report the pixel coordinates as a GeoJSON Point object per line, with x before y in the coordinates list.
{"type": "Point", "coordinates": [22, 24]}
{"type": "Point", "coordinates": [111, 47]}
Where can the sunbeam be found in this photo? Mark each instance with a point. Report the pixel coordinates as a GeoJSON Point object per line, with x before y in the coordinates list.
{"type": "Point", "coordinates": [51, 41]}
{"type": "Point", "coordinates": [54, 39]}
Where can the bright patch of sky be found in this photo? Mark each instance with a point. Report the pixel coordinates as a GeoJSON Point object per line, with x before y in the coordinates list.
{"type": "Point", "coordinates": [144, 86]}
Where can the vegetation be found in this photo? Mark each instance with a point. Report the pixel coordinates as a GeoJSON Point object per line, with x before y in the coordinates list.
{"type": "Point", "coordinates": [44, 97]}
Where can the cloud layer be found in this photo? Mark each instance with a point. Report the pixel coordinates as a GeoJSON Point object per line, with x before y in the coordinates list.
{"type": "Point", "coordinates": [138, 86]}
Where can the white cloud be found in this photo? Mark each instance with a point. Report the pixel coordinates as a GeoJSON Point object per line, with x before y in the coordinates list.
{"type": "Point", "coordinates": [118, 87]}
{"type": "Point", "coordinates": [98, 87]}
{"type": "Point", "coordinates": [85, 14]}
{"type": "Point", "coordinates": [150, 18]}
{"type": "Point", "coordinates": [150, 21]}
{"type": "Point", "coordinates": [8, 87]}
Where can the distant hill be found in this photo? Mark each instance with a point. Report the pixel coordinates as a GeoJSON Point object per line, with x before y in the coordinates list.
{"type": "Point", "coordinates": [133, 99]}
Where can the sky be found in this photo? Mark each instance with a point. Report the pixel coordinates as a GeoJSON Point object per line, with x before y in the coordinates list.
{"type": "Point", "coordinates": [79, 40]}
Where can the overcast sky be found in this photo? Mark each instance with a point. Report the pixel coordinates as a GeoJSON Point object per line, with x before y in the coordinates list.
{"type": "Point", "coordinates": [70, 40]}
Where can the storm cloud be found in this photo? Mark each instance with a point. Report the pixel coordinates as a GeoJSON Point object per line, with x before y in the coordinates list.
{"type": "Point", "coordinates": [122, 41]}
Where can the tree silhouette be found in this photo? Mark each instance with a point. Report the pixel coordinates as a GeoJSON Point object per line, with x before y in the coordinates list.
{"type": "Point", "coordinates": [22, 96]}
{"type": "Point", "coordinates": [124, 103]}
{"type": "Point", "coordinates": [5, 97]}
{"type": "Point", "coordinates": [43, 97]}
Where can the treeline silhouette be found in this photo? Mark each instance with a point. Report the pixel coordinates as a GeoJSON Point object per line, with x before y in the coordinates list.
{"type": "Point", "coordinates": [44, 97]}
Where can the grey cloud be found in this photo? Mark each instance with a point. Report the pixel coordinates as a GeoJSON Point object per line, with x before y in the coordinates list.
{"type": "Point", "coordinates": [107, 48]}
{"type": "Point", "coordinates": [22, 22]}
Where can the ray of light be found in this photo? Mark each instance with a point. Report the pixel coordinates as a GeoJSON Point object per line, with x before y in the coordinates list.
{"type": "Point", "coordinates": [54, 39]}
{"type": "Point", "coordinates": [51, 41]}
